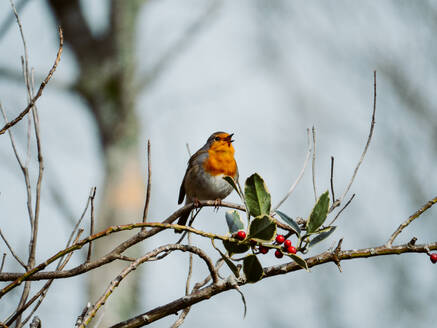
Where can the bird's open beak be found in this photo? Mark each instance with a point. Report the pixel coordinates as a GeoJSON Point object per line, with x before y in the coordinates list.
{"type": "Point", "coordinates": [229, 138]}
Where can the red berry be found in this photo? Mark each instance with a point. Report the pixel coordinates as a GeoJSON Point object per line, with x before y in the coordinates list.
{"type": "Point", "coordinates": [263, 250]}
{"type": "Point", "coordinates": [280, 239]}
{"type": "Point", "coordinates": [241, 235]}
{"type": "Point", "coordinates": [253, 243]}
{"type": "Point", "coordinates": [278, 254]}
{"type": "Point", "coordinates": [287, 243]}
{"type": "Point", "coordinates": [433, 257]}
{"type": "Point", "coordinates": [292, 250]}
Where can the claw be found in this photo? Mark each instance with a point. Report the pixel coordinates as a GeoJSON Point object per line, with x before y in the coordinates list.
{"type": "Point", "coordinates": [196, 203]}
{"type": "Point", "coordinates": [217, 204]}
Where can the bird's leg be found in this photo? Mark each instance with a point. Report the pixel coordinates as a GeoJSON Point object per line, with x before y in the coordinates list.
{"type": "Point", "coordinates": [196, 203]}
{"type": "Point", "coordinates": [217, 204]}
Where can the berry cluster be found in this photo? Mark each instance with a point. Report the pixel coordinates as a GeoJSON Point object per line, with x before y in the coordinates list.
{"type": "Point", "coordinates": [288, 247]}
{"type": "Point", "coordinates": [280, 239]}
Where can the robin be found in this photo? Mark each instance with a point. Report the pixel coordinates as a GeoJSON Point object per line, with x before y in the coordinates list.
{"type": "Point", "coordinates": [203, 178]}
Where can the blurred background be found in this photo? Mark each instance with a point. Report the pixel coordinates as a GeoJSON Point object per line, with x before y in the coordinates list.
{"type": "Point", "coordinates": [176, 71]}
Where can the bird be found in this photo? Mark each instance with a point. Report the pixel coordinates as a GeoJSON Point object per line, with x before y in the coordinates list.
{"type": "Point", "coordinates": [203, 178]}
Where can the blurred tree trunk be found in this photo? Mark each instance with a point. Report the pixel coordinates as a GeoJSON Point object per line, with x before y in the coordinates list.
{"type": "Point", "coordinates": [107, 72]}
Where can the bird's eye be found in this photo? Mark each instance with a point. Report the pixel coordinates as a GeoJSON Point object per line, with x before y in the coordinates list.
{"type": "Point", "coordinates": [217, 138]}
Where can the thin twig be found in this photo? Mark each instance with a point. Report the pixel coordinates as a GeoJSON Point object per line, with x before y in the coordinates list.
{"type": "Point", "coordinates": [314, 163]}
{"type": "Point", "coordinates": [339, 212]}
{"type": "Point", "coordinates": [414, 216]}
{"type": "Point", "coordinates": [332, 179]}
{"type": "Point", "coordinates": [41, 88]}
{"type": "Point", "coordinates": [149, 182]}
{"type": "Point", "coordinates": [12, 251]}
{"type": "Point", "coordinates": [372, 125]}
{"type": "Point", "coordinates": [185, 312]}
{"type": "Point", "coordinates": [3, 262]}
{"type": "Point", "coordinates": [300, 174]}
{"type": "Point", "coordinates": [91, 198]}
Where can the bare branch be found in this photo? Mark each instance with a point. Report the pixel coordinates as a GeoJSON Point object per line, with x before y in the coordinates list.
{"type": "Point", "coordinates": [314, 163]}
{"type": "Point", "coordinates": [299, 176]}
{"type": "Point", "coordinates": [414, 216]}
{"type": "Point", "coordinates": [42, 292]}
{"type": "Point", "coordinates": [222, 286]}
{"type": "Point", "coordinates": [41, 88]}
{"type": "Point", "coordinates": [3, 262]}
{"type": "Point", "coordinates": [372, 125]}
{"type": "Point", "coordinates": [149, 182]}
{"type": "Point", "coordinates": [332, 179]}
{"type": "Point", "coordinates": [10, 19]}
{"type": "Point", "coordinates": [12, 251]}
{"type": "Point", "coordinates": [91, 198]}
{"type": "Point", "coordinates": [339, 212]}
{"type": "Point", "coordinates": [114, 283]}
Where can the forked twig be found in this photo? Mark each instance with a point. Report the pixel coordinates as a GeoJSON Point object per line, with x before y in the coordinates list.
{"type": "Point", "coordinates": [339, 212]}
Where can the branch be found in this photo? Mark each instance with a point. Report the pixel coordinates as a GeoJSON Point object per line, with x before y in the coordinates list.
{"type": "Point", "coordinates": [414, 216]}
{"type": "Point", "coordinates": [314, 164]}
{"type": "Point", "coordinates": [149, 182]}
{"type": "Point", "coordinates": [166, 248]}
{"type": "Point", "coordinates": [41, 87]}
{"type": "Point", "coordinates": [12, 251]}
{"type": "Point", "coordinates": [222, 286]}
{"type": "Point", "coordinates": [372, 125]}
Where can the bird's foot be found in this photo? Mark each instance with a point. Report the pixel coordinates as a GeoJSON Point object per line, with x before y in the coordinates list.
{"type": "Point", "coordinates": [217, 204]}
{"type": "Point", "coordinates": [196, 203]}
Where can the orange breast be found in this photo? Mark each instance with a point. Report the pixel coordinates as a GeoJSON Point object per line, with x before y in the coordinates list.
{"type": "Point", "coordinates": [221, 162]}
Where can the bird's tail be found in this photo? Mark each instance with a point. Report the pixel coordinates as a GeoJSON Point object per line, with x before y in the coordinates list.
{"type": "Point", "coordinates": [183, 220]}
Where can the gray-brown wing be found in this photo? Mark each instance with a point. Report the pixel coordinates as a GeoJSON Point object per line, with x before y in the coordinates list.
{"type": "Point", "coordinates": [190, 164]}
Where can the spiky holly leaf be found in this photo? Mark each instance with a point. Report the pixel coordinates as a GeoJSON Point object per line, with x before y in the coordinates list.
{"type": "Point", "coordinates": [235, 247]}
{"type": "Point", "coordinates": [321, 236]}
{"type": "Point", "coordinates": [300, 261]}
{"type": "Point", "coordinates": [252, 268]}
{"type": "Point", "coordinates": [262, 229]}
{"type": "Point", "coordinates": [293, 224]}
{"type": "Point", "coordinates": [319, 213]}
{"type": "Point", "coordinates": [234, 221]}
{"type": "Point", "coordinates": [257, 197]}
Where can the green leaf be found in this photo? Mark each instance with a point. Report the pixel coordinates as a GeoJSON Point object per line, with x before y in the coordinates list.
{"type": "Point", "coordinates": [227, 260]}
{"type": "Point", "coordinates": [321, 236]}
{"type": "Point", "coordinates": [234, 247]}
{"type": "Point", "coordinates": [234, 221]}
{"type": "Point", "coordinates": [257, 197]}
{"type": "Point", "coordinates": [293, 224]}
{"type": "Point", "coordinates": [262, 229]}
{"type": "Point", "coordinates": [300, 261]}
{"type": "Point", "coordinates": [252, 269]}
{"type": "Point", "coordinates": [232, 182]}
{"type": "Point", "coordinates": [319, 213]}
